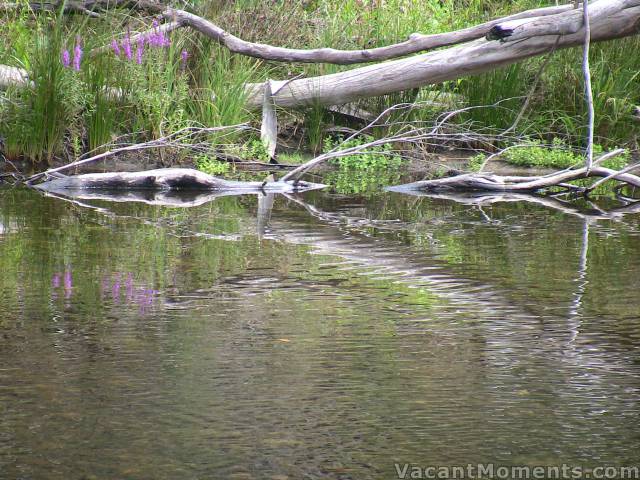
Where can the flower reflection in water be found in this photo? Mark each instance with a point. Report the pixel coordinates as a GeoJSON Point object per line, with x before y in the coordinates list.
{"type": "Point", "coordinates": [119, 286]}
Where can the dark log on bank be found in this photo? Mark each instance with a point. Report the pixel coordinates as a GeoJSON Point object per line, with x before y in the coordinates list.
{"type": "Point", "coordinates": [167, 179]}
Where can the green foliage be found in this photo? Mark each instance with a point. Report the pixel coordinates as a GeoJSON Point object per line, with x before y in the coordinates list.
{"type": "Point", "coordinates": [36, 118]}
{"type": "Point", "coordinates": [218, 95]}
{"type": "Point", "coordinates": [558, 156]}
{"type": "Point", "coordinates": [212, 166]}
{"type": "Point", "coordinates": [70, 112]}
{"type": "Point", "coordinates": [252, 150]}
{"type": "Point", "coordinates": [291, 158]}
{"type": "Point", "coordinates": [364, 172]}
{"type": "Point", "coordinates": [476, 162]}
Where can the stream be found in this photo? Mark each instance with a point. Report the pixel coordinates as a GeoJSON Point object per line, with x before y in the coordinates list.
{"type": "Point", "coordinates": [316, 336]}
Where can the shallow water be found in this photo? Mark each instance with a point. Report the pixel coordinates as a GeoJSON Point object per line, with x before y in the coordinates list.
{"type": "Point", "coordinates": [333, 339]}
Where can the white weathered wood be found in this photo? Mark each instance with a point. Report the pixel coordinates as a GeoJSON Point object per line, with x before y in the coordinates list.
{"type": "Point", "coordinates": [496, 183]}
{"type": "Point", "coordinates": [269, 127]}
{"type": "Point", "coordinates": [565, 23]}
{"type": "Point", "coordinates": [435, 67]}
{"type": "Point", "coordinates": [166, 179]}
{"type": "Point", "coordinates": [417, 42]}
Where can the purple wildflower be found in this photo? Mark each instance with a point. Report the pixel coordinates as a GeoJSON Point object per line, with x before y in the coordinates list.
{"type": "Point", "coordinates": [154, 39]}
{"type": "Point", "coordinates": [184, 55]}
{"type": "Point", "coordinates": [115, 47]}
{"type": "Point", "coordinates": [66, 58]}
{"type": "Point", "coordinates": [140, 50]}
{"type": "Point", "coordinates": [77, 55]}
{"type": "Point", "coordinates": [55, 280]}
{"type": "Point", "coordinates": [126, 46]}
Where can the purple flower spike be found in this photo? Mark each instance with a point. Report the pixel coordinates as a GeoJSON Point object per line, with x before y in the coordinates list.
{"type": "Point", "coordinates": [115, 47]}
{"type": "Point", "coordinates": [184, 55]}
{"type": "Point", "coordinates": [126, 46]}
{"type": "Point", "coordinates": [140, 50]}
{"type": "Point", "coordinates": [66, 59]}
{"type": "Point", "coordinates": [77, 55]}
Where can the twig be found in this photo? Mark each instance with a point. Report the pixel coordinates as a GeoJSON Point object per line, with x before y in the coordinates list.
{"type": "Point", "coordinates": [587, 84]}
{"type": "Point", "coordinates": [613, 176]}
{"type": "Point", "coordinates": [164, 142]}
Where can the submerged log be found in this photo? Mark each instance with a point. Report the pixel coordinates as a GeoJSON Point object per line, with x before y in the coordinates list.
{"type": "Point", "coordinates": [167, 179]}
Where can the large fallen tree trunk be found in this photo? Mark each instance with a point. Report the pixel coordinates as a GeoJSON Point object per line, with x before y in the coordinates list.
{"type": "Point", "coordinates": [416, 42]}
{"type": "Point", "coordinates": [167, 179]}
{"type": "Point", "coordinates": [436, 67]}
{"type": "Point", "coordinates": [521, 36]}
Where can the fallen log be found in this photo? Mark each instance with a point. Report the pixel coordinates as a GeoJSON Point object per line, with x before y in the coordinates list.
{"type": "Point", "coordinates": [435, 67]}
{"type": "Point", "coordinates": [533, 31]}
{"type": "Point", "coordinates": [417, 42]}
{"type": "Point", "coordinates": [167, 179]}
{"type": "Point", "coordinates": [498, 183]}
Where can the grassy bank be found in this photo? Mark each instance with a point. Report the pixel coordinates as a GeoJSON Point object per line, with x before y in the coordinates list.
{"type": "Point", "coordinates": [141, 90]}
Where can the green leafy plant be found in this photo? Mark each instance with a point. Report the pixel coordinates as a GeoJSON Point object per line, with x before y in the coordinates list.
{"type": "Point", "coordinates": [557, 155]}
{"type": "Point", "coordinates": [212, 166]}
{"type": "Point", "coordinates": [476, 162]}
{"type": "Point", "coordinates": [364, 172]}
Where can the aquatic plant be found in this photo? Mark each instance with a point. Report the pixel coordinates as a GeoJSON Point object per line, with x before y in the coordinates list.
{"type": "Point", "coordinates": [365, 172]}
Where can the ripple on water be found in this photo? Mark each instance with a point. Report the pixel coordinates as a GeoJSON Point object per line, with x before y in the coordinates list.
{"type": "Point", "coordinates": [338, 342]}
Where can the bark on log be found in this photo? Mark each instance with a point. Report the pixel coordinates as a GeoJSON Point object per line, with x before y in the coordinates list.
{"type": "Point", "coordinates": [167, 179]}
{"type": "Point", "coordinates": [563, 24]}
{"type": "Point", "coordinates": [436, 67]}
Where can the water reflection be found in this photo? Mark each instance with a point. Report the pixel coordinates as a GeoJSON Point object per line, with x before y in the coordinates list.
{"type": "Point", "coordinates": [313, 337]}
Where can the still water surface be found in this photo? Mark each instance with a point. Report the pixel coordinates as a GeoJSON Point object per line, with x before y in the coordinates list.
{"type": "Point", "coordinates": [331, 340]}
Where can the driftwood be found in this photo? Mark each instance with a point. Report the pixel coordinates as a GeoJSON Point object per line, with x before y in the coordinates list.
{"type": "Point", "coordinates": [166, 179]}
{"type": "Point", "coordinates": [524, 35]}
{"type": "Point", "coordinates": [417, 42]}
{"type": "Point", "coordinates": [435, 67]}
{"type": "Point", "coordinates": [499, 183]}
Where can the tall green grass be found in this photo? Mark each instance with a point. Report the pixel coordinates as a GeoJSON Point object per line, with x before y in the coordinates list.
{"type": "Point", "coordinates": [36, 118]}
{"type": "Point", "coordinates": [65, 112]}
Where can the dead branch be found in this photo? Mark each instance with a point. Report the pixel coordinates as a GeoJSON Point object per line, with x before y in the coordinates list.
{"type": "Point", "coordinates": [416, 43]}
{"type": "Point", "coordinates": [435, 67]}
{"type": "Point", "coordinates": [166, 179]}
{"type": "Point", "coordinates": [179, 139]}
{"type": "Point", "coordinates": [588, 91]}
{"type": "Point", "coordinates": [497, 183]}
{"type": "Point", "coordinates": [566, 23]}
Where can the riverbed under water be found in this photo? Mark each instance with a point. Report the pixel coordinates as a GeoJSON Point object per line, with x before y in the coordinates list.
{"type": "Point", "coordinates": [327, 337]}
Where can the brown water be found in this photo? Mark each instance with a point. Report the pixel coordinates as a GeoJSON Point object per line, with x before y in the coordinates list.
{"type": "Point", "coordinates": [331, 340]}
